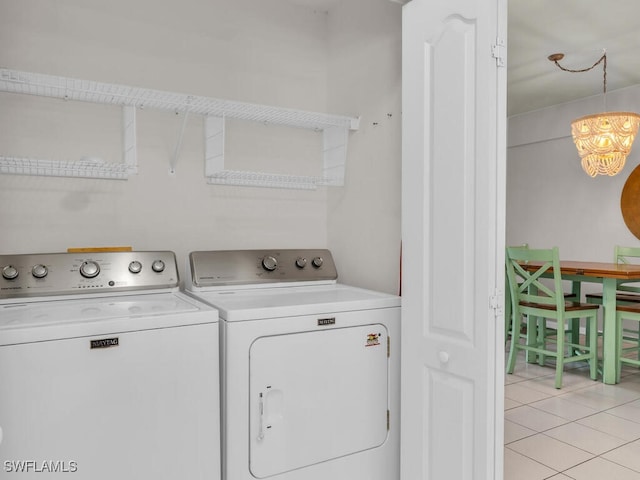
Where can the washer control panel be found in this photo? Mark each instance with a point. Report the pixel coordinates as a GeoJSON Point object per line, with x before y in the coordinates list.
{"type": "Point", "coordinates": [245, 267]}
{"type": "Point", "coordinates": [30, 275]}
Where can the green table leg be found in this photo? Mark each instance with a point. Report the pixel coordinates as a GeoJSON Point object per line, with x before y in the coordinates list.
{"type": "Point", "coordinates": [575, 323]}
{"type": "Point", "coordinates": [531, 338]}
{"type": "Point", "coordinates": [532, 334]}
{"type": "Point", "coordinates": [609, 329]}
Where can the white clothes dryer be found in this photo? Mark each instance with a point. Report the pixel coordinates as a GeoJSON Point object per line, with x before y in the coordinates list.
{"type": "Point", "coordinates": [310, 367]}
{"type": "Point", "coordinates": [106, 370]}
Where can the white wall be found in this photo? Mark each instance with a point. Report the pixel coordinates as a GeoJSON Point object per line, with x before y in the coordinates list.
{"type": "Point", "coordinates": [365, 78]}
{"type": "Point", "coordinates": [264, 51]}
{"type": "Point", "coordinates": [550, 200]}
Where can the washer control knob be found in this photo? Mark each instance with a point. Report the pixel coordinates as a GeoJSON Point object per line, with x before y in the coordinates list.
{"type": "Point", "coordinates": [9, 272]}
{"type": "Point", "coordinates": [89, 269]}
{"type": "Point", "coordinates": [301, 262]}
{"type": "Point", "coordinates": [269, 263]}
{"type": "Point", "coordinates": [317, 262]}
{"type": "Point", "coordinates": [157, 266]}
{"type": "Point", "coordinates": [135, 267]}
{"type": "Point", "coordinates": [39, 271]}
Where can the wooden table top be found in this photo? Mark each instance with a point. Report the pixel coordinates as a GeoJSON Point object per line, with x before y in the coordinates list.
{"type": "Point", "coordinates": [623, 271]}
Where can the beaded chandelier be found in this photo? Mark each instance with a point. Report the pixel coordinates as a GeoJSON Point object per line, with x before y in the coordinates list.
{"type": "Point", "coordinates": [603, 139]}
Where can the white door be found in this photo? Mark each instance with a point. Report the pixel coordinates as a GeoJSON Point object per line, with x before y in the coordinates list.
{"type": "Point", "coordinates": [316, 396]}
{"type": "Point", "coordinates": [453, 196]}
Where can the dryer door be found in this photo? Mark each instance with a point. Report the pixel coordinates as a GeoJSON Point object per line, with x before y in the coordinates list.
{"type": "Point", "coordinates": [316, 396]}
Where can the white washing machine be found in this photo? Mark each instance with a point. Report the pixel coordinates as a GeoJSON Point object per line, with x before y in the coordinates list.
{"type": "Point", "coordinates": [106, 370]}
{"type": "Point", "coordinates": [310, 367]}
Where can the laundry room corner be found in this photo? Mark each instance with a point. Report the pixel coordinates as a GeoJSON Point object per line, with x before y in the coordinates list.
{"type": "Point", "coordinates": [266, 53]}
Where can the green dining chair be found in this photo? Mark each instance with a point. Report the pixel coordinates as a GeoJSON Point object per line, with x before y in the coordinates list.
{"type": "Point", "coordinates": [508, 312]}
{"type": "Point", "coordinates": [628, 294]}
{"type": "Point", "coordinates": [626, 342]}
{"type": "Point", "coordinates": [545, 302]}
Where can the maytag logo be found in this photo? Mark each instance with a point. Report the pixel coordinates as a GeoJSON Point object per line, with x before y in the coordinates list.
{"type": "Point", "coordinates": [105, 343]}
{"type": "Point", "coordinates": [326, 321]}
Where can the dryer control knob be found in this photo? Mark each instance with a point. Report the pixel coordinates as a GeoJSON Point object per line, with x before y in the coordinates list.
{"type": "Point", "coordinates": [89, 269]}
{"type": "Point", "coordinates": [301, 262]}
{"type": "Point", "coordinates": [157, 266]}
{"type": "Point", "coordinates": [9, 272]}
{"type": "Point", "coordinates": [39, 271]}
{"type": "Point", "coordinates": [317, 262]}
{"type": "Point", "coordinates": [269, 263]}
{"type": "Point", "coordinates": [135, 267]}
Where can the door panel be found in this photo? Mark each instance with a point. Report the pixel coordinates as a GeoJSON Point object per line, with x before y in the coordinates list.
{"type": "Point", "coordinates": [450, 57]}
{"type": "Point", "coordinates": [316, 396]}
{"type": "Point", "coordinates": [453, 238]}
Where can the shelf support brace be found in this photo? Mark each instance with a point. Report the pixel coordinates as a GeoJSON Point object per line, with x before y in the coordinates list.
{"type": "Point", "coordinates": [129, 142]}
{"type": "Point", "coordinates": [334, 151]}
{"type": "Point", "coordinates": [176, 152]}
{"type": "Point", "coordinates": [213, 145]}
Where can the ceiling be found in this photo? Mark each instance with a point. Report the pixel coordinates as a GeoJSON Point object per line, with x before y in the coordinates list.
{"type": "Point", "coordinates": [580, 29]}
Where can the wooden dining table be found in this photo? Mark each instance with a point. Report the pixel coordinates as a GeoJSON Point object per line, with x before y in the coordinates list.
{"type": "Point", "coordinates": [610, 275]}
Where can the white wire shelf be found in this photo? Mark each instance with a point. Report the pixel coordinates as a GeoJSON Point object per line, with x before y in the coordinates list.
{"type": "Point", "coordinates": [97, 92]}
{"type": "Point", "coordinates": [270, 180]}
{"type": "Point", "coordinates": [334, 128]}
{"type": "Point", "coordinates": [59, 168]}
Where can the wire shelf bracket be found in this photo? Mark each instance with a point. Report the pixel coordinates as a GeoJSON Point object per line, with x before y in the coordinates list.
{"type": "Point", "coordinates": [335, 130]}
{"type": "Point", "coordinates": [335, 141]}
{"type": "Point", "coordinates": [87, 166]}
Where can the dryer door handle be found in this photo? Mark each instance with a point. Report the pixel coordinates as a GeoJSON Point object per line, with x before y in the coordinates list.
{"type": "Point", "coordinates": [260, 417]}
{"type": "Point", "coordinates": [270, 410]}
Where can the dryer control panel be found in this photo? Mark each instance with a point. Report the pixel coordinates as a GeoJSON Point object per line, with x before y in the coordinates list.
{"type": "Point", "coordinates": [30, 275]}
{"type": "Point", "coordinates": [247, 267]}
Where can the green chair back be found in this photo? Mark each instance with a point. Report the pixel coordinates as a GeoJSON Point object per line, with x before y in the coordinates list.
{"type": "Point", "coordinates": [628, 255]}
{"type": "Point", "coordinates": [507, 301]}
{"type": "Point", "coordinates": [527, 286]}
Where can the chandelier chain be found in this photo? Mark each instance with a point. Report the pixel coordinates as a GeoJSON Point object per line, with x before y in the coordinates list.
{"type": "Point", "coordinates": [602, 59]}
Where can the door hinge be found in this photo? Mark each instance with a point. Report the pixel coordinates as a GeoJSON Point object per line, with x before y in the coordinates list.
{"type": "Point", "coordinates": [388, 420]}
{"type": "Point", "coordinates": [498, 52]}
{"type": "Point", "coordinates": [388, 347]}
{"type": "Point", "coordinates": [496, 302]}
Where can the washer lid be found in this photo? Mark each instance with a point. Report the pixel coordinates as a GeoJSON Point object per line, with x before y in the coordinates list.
{"type": "Point", "coordinates": [52, 319]}
{"type": "Point", "coordinates": [265, 303]}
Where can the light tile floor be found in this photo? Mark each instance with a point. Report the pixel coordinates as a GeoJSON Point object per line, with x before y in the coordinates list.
{"type": "Point", "coordinates": [584, 431]}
